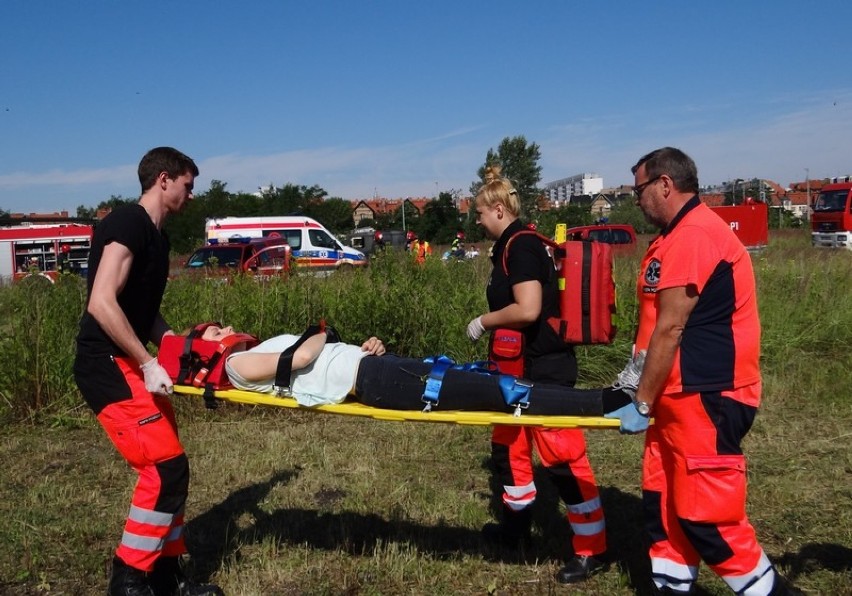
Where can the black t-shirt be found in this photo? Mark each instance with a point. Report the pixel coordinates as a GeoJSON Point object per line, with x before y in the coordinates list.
{"type": "Point", "coordinates": [528, 260]}
{"type": "Point", "coordinates": [141, 296]}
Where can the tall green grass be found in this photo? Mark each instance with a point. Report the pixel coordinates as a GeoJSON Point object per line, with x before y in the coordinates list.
{"type": "Point", "coordinates": [805, 302]}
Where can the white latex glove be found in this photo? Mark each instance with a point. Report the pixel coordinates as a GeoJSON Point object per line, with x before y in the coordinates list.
{"type": "Point", "coordinates": [156, 378]}
{"type": "Point", "coordinates": [475, 329]}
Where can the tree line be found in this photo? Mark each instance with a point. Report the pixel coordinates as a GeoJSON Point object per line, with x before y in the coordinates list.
{"type": "Point", "coordinates": [440, 221]}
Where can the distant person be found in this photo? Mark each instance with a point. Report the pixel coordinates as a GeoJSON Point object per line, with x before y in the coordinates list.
{"type": "Point", "coordinates": [378, 241]}
{"type": "Point", "coordinates": [62, 259]}
{"type": "Point", "coordinates": [421, 249]}
{"type": "Point", "coordinates": [457, 246]}
{"type": "Point", "coordinates": [127, 388]}
{"type": "Point", "coordinates": [701, 382]}
{"type": "Point", "coordinates": [520, 300]}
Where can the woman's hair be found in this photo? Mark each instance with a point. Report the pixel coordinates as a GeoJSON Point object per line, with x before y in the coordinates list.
{"type": "Point", "coordinates": [498, 190]}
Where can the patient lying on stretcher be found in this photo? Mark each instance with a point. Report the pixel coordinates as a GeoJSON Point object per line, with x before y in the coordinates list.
{"type": "Point", "coordinates": [323, 372]}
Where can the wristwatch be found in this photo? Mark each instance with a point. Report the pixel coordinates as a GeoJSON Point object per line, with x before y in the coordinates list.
{"type": "Point", "coordinates": [643, 407]}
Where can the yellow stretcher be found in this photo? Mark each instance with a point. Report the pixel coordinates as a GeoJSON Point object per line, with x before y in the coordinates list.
{"type": "Point", "coordinates": [436, 415]}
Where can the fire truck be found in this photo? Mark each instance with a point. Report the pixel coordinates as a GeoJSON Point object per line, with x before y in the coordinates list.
{"type": "Point", "coordinates": [749, 221]}
{"type": "Point", "coordinates": [43, 250]}
{"type": "Point", "coordinates": [831, 219]}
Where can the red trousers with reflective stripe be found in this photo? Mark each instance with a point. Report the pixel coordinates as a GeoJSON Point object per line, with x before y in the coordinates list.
{"type": "Point", "coordinates": [144, 431]}
{"type": "Point", "coordinates": [563, 455]}
{"type": "Point", "coordinates": [694, 488]}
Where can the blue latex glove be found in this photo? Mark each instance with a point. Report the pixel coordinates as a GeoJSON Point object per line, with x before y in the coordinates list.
{"type": "Point", "coordinates": [632, 422]}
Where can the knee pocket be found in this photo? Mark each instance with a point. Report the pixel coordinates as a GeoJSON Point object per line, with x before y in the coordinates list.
{"type": "Point", "coordinates": [711, 488]}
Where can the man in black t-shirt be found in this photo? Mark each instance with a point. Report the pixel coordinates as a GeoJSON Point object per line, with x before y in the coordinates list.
{"type": "Point", "coordinates": [127, 388]}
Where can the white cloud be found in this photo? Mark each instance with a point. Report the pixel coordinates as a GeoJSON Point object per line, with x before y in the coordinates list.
{"type": "Point", "coordinates": [791, 133]}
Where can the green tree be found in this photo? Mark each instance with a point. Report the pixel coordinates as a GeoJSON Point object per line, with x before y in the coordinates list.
{"type": "Point", "coordinates": [519, 163]}
{"type": "Point", "coordinates": [440, 220]}
{"type": "Point", "coordinates": [394, 220]}
{"type": "Point", "coordinates": [84, 212]}
{"type": "Point", "coordinates": [625, 211]}
{"type": "Point", "coordinates": [289, 199]}
{"type": "Point", "coordinates": [334, 213]}
{"type": "Point", "coordinates": [571, 215]}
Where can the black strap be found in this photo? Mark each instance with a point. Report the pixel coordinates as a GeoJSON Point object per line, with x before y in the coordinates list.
{"type": "Point", "coordinates": [586, 293]}
{"type": "Point", "coordinates": [210, 401]}
{"type": "Point", "coordinates": [285, 360]}
{"type": "Point", "coordinates": [188, 363]}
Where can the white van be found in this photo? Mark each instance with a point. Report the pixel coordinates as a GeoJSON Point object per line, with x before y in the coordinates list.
{"type": "Point", "coordinates": [312, 246]}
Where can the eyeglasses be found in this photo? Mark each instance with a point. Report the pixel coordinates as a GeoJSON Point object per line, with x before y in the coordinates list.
{"type": "Point", "coordinates": [641, 187]}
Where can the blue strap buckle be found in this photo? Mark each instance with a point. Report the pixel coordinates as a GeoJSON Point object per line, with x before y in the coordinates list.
{"type": "Point", "coordinates": [440, 365]}
{"type": "Point", "coordinates": [516, 392]}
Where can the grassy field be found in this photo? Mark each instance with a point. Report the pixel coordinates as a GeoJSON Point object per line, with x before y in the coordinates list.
{"type": "Point", "coordinates": [285, 502]}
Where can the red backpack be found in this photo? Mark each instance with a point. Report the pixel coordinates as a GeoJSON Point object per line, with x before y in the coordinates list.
{"type": "Point", "coordinates": [586, 289]}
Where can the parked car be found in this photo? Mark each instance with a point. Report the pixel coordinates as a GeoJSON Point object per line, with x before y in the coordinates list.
{"type": "Point", "coordinates": [262, 257]}
{"type": "Point", "coordinates": [622, 236]}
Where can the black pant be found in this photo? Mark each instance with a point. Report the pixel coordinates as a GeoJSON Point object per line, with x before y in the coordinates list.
{"type": "Point", "coordinates": [396, 383]}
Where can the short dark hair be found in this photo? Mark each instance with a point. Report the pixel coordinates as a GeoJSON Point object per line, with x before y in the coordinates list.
{"type": "Point", "coordinates": [164, 159]}
{"type": "Point", "coordinates": [672, 162]}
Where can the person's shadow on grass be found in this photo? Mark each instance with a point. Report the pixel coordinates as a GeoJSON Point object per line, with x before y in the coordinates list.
{"type": "Point", "coordinates": [215, 536]}
{"type": "Point", "coordinates": [627, 549]}
{"type": "Point", "coordinates": [816, 556]}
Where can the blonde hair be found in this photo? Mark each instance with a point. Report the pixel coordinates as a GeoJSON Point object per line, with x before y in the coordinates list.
{"type": "Point", "coordinates": [498, 190]}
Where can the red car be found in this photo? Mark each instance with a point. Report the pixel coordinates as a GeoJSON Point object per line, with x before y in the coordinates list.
{"type": "Point", "coordinates": [622, 236]}
{"type": "Point", "coordinates": [268, 256]}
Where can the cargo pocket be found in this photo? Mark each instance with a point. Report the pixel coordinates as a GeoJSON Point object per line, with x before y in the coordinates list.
{"type": "Point", "coordinates": [711, 489]}
{"type": "Point", "coordinates": [158, 439]}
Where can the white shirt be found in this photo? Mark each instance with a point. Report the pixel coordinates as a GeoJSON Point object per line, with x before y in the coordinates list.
{"type": "Point", "coordinates": [327, 380]}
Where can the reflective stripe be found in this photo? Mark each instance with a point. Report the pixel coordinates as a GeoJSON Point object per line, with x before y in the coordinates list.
{"type": "Point", "coordinates": [676, 576]}
{"type": "Point", "coordinates": [175, 533]}
{"type": "Point", "coordinates": [518, 505]}
{"type": "Point", "coordinates": [147, 516]}
{"type": "Point", "coordinates": [757, 582]}
{"type": "Point", "coordinates": [586, 506]}
{"type": "Point", "coordinates": [519, 491]}
{"type": "Point", "coordinates": [519, 497]}
{"type": "Point", "coordinates": [588, 529]}
{"type": "Point", "coordinates": [144, 543]}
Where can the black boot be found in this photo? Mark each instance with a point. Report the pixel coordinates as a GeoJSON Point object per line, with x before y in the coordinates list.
{"type": "Point", "coordinates": [579, 568]}
{"type": "Point", "coordinates": [513, 531]}
{"type": "Point", "coordinates": [128, 581]}
{"type": "Point", "coordinates": [168, 579]}
{"type": "Point", "coordinates": [783, 587]}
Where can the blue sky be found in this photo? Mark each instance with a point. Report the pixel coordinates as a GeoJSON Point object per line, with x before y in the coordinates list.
{"type": "Point", "coordinates": [400, 98]}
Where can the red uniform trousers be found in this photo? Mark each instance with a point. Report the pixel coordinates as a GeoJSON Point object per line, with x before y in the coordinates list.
{"type": "Point", "coordinates": [144, 431]}
{"type": "Point", "coordinates": [694, 492]}
{"type": "Point", "coordinates": [563, 455]}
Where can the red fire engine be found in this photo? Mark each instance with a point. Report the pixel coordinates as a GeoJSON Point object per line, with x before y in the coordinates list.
{"type": "Point", "coordinates": [749, 221]}
{"type": "Point", "coordinates": [45, 250]}
{"type": "Point", "coordinates": [831, 220]}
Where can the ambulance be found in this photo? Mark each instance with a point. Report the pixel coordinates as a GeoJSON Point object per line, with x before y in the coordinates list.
{"type": "Point", "coordinates": [312, 247]}
{"type": "Point", "coordinates": [43, 250]}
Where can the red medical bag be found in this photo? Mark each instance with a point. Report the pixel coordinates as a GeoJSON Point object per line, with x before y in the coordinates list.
{"type": "Point", "coordinates": [586, 289]}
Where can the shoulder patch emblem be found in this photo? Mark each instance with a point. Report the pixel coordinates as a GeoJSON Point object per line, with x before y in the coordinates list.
{"type": "Point", "coordinates": [652, 273]}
